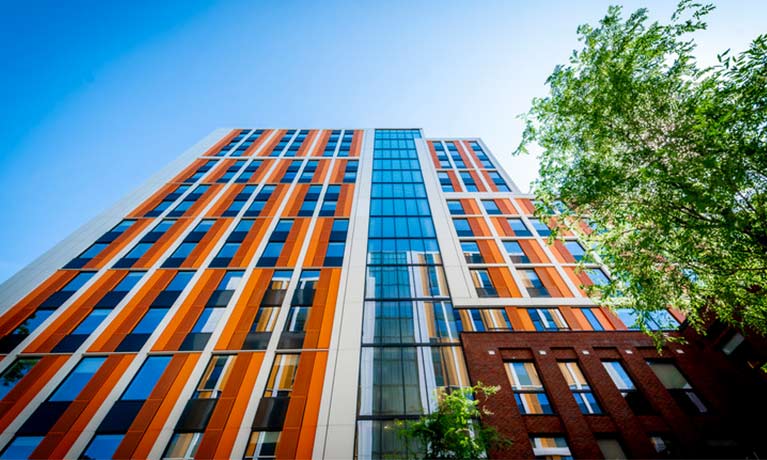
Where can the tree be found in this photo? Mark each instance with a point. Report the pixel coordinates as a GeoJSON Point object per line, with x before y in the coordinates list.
{"type": "Point", "coordinates": [453, 431]}
{"type": "Point", "coordinates": [666, 161]}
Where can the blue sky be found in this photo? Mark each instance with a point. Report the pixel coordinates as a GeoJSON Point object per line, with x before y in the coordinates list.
{"type": "Point", "coordinates": [97, 96]}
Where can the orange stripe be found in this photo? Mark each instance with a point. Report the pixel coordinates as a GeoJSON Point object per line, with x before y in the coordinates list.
{"type": "Point", "coordinates": [308, 431]}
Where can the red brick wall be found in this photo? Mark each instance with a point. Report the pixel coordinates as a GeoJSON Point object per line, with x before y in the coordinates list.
{"type": "Point", "coordinates": [733, 397]}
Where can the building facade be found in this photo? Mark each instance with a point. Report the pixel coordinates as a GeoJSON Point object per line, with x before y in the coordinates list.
{"type": "Point", "coordinates": [292, 293]}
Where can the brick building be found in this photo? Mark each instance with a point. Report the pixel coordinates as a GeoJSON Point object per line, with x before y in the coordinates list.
{"type": "Point", "coordinates": [290, 293]}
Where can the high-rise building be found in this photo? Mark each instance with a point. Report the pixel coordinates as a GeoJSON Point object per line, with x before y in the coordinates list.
{"type": "Point", "coordinates": [291, 293]}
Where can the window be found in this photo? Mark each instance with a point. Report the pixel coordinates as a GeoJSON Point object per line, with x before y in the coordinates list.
{"type": "Point", "coordinates": [540, 227]}
{"type": "Point", "coordinates": [350, 174]}
{"type": "Point", "coordinates": [214, 379]}
{"type": "Point", "coordinates": [575, 249]}
{"type": "Point", "coordinates": [334, 256]}
{"type": "Point", "coordinates": [339, 229]}
{"type": "Point", "coordinates": [146, 378]}
{"type": "Point", "coordinates": [282, 376]}
{"type": "Point", "coordinates": [462, 227]}
{"type": "Point", "coordinates": [663, 445]}
{"type": "Point", "coordinates": [597, 276]}
{"type": "Point", "coordinates": [455, 207]}
{"type": "Point", "coordinates": [515, 252]}
{"type": "Point", "coordinates": [307, 286]}
{"type": "Point", "coordinates": [659, 320]}
{"type": "Point", "coordinates": [527, 387]}
{"type": "Point", "coordinates": [58, 298]}
{"type": "Point", "coordinates": [291, 172]}
{"type": "Point", "coordinates": [611, 449]}
{"type": "Point", "coordinates": [262, 445]}
{"type": "Point", "coordinates": [87, 255]}
{"type": "Point", "coordinates": [678, 386]}
{"type": "Point", "coordinates": [188, 201]}
{"type": "Point", "coordinates": [330, 200]}
{"type": "Point", "coordinates": [487, 319]}
{"type": "Point", "coordinates": [143, 329]}
{"type": "Point", "coordinates": [231, 171]}
{"type": "Point", "coordinates": [518, 228]}
{"type": "Point", "coordinates": [43, 312]}
{"type": "Point", "coordinates": [133, 255]}
{"type": "Point", "coordinates": [547, 319]}
{"type": "Point", "coordinates": [225, 254]}
{"type": "Point", "coordinates": [271, 254]}
{"type": "Point", "coordinates": [183, 445]}
{"type": "Point", "coordinates": [214, 309]}
{"type": "Point", "coordinates": [259, 202]}
{"type": "Point", "coordinates": [591, 317]}
{"type": "Point", "coordinates": [579, 387]}
{"type": "Point", "coordinates": [445, 182]}
{"type": "Point", "coordinates": [189, 244]}
{"type": "Point", "coordinates": [248, 172]}
{"type": "Point", "coordinates": [491, 207]}
{"type": "Point", "coordinates": [533, 283]}
{"type": "Point", "coordinates": [72, 342]}
{"type": "Point", "coordinates": [266, 316]}
{"type": "Point", "coordinates": [71, 387]}
{"type": "Point", "coordinates": [483, 283]}
{"type": "Point", "coordinates": [468, 181]}
{"type": "Point", "coordinates": [732, 343]}
{"type": "Point", "coordinates": [103, 446]}
{"type": "Point", "coordinates": [551, 448]}
{"type": "Point", "coordinates": [625, 385]}
{"type": "Point", "coordinates": [471, 252]}
{"type": "Point", "coordinates": [498, 181]}
{"type": "Point", "coordinates": [15, 372]}
{"type": "Point", "coordinates": [21, 447]}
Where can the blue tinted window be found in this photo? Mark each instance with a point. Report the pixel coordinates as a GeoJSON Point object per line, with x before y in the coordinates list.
{"type": "Point", "coordinates": [146, 378]}
{"type": "Point", "coordinates": [124, 225]}
{"type": "Point", "coordinates": [163, 226]}
{"type": "Point", "coordinates": [272, 250]}
{"type": "Point", "coordinates": [519, 227]}
{"type": "Point", "coordinates": [15, 372]}
{"type": "Point", "coordinates": [597, 276]}
{"type": "Point", "coordinates": [77, 379]}
{"type": "Point", "coordinates": [78, 282]}
{"type": "Point", "coordinates": [228, 250]}
{"type": "Point", "coordinates": [592, 319]}
{"type": "Point", "coordinates": [208, 320]}
{"type": "Point", "coordinates": [32, 322]}
{"type": "Point", "coordinates": [149, 322]}
{"type": "Point", "coordinates": [462, 227]}
{"type": "Point", "coordinates": [230, 281]}
{"type": "Point", "coordinates": [92, 321]}
{"type": "Point", "coordinates": [127, 283]}
{"type": "Point", "coordinates": [244, 226]}
{"type": "Point", "coordinates": [183, 250]}
{"type": "Point", "coordinates": [103, 446]}
{"type": "Point", "coordinates": [204, 225]}
{"type": "Point", "coordinates": [180, 281]}
{"type": "Point", "coordinates": [21, 447]}
{"type": "Point", "coordinates": [139, 250]}
{"type": "Point", "coordinates": [93, 251]}
{"type": "Point", "coordinates": [540, 227]}
{"type": "Point", "coordinates": [455, 207]}
{"type": "Point", "coordinates": [575, 249]}
{"type": "Point", "coordinates": [491, 207]}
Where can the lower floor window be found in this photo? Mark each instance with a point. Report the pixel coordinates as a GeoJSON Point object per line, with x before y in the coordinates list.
{"type": "Point", "coordinates": [551, 448]}
{"type": "Point", "coordinates": [183, 446]}
{"type": "Point", "coordinates": [262, 445]}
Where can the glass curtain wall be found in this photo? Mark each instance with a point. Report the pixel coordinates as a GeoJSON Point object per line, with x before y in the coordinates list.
{"type": "Point", "coordinates": [410, 344]}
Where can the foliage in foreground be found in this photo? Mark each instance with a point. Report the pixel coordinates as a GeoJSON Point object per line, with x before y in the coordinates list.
{"type": "Point", "coordinates": [667, 161]}
{"type": "Point", "coordinates": [454, 430]}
